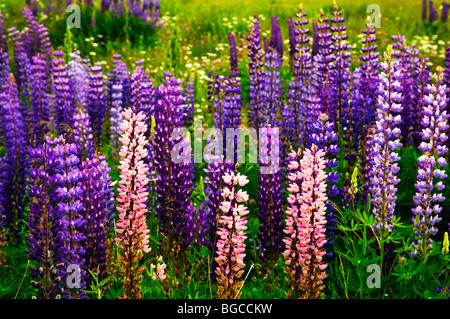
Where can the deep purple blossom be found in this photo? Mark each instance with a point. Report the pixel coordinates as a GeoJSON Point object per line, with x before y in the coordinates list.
{"type": "Point", "coordinates": [270, 199]}
{"type": "Point", "coordinates": [64, 99]}
{"type": "Point", "coordinates": [173, 183]}
{"type": "Point", "coordinates": [96, 102]}
{"type": "Point", "coordinates": [40, 101]}
{"type": "Point", "coordinates": [46, 239]}
{"type": "Point", "coordinates": [256, 111]}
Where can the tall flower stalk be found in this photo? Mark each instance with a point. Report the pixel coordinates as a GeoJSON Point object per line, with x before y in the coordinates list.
{"type": "Point", "coordinates": [431, 169]}
{"type": "Point", "coordinates": [305, 224]}
{"type": "Point", "coordinates": [132, 234]}
{"type": "Point", "coordinates": [386, 141]}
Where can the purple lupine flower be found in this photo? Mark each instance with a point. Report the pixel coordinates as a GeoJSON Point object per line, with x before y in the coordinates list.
{"type": "Point", "coordinates": [15, 169]}
{"type": "Point", "coordinates": [142, 92]}
{"type": "Point", "coordinates": [433, 15]}
{"type": "Point", "coordinates": [68, 192]}
{"type": "Point", "coordinates": [299, 86]}
{"type": "Point", "coordinates": [270, 200]}
{"type": "Point", "coordinates": [272, 87]}
{"type": "Point", "coordinates": [3, 37]}
{"type": "Point", "coordinates": [216, 97]}
{"type": "Point", "coordinates": [105, 5]}
{"type": "Point", "coordinates": [324, 137]}
{"type": "Point", "coordinates": [155, 15]}
{"type": "Point", "coordinates": [96, 102]}
{"type": "Point", "coordinates": [233, 53]}
{"type": "Point", "coordinates": [404, 54]}
{"type": "Point", "coordinates": [108, 194]}
{"type": "Point", "coordinates": [63, 94]}
{"type": "Point", "coordinates": [313, 110]}
{"type": "Point", "coordinates": [322, 81]}
{"type": "Point", "coordinates": [341, 71]}
{"type": "Point", "coordinates": [39, 100]}
{"type": "Point", "coordinates": [232, 115]}
{"type": "Point", "coordinates": [22, 76]}
{"type": "Point", "coordinates": [45, 241]}
{"type": "Point", "coordinates": [431, 169]}
{"type": "Point", "coordinates": [293, 49]}
{"type": "Point", "coordinates": [315, 43]}
{"type": "Point", "coordinates": [94, 214]}
{"type": "Point", "coordinates": [173, 183]}
{"type": "Point", "coordinates": [118, 79]}
{"type": "Point", "coordinates": [421, 78]}
{"type": "Point", "coordinates": [444, 12]}
{"type": "Point", "coordinates": [201, 226]}
{"type": "Point", "coordinates": [276, 40]}
{"type": "Point", "coordinates": [188, 106]}
{"type": "Point", "coordinates": [37, 41]}
{"type": "Point", "coordinates": [424, 10]}
{"type": "Point", "coordinates": [4, 85]}
{"type": "Point", "coordinates": [386, 141]}
{"type": "Point", "coordinates": [82, 136]}
{"type": "Point", "coordinates": [255, 107]}
{"type": "Point", "coordinates": [79, 75]}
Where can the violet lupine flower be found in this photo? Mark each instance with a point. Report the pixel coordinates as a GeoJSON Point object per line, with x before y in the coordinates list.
{"type": "Point", "coordinates": [22, 76]}
{"type": "Point", "coordinates": [444, 12]}
{"type": "Point", "coordinates": [188, 107]}
{"type": "Point", "coordinates": [446, 78]}
{"type": "Point", "coordinates": [79, 75]}
{"type": "Point", "coordinates": [215, 98]}
{"type": "Point", "coordinates": [46, 239]}
{"type": "Point", "coordinates": [315, 42]}
{"type": "Point", "coordinates": [15, 168]}
{"type": "Point", "coordinates": [132, 232]}
{"type": "Point", "coordinates": [314, 108]}
{"type": "Point", "coordinates": [433, 15]}
{"type": "Point", "coordinates": [421, 78]}
{"type": "Point", "coordinates": [256, 111]}
{"type": "Point", "coordinates": [3, 37]}
{"type": "Point", "coordinates": [386, 141]}
{"type": "Point", "coordinates": [293, 49]}
{"type": "Point", "coordinates": [341, 74]}
{"type": "Point", "coordinates": [431, 170]}
{"type": "Point", "coordinates": [142, 92]}
{"type": "Point", "coordinates": [82, 136]}
{"type": "Point", "coordinates": [96, 103]}
{"type": "Point", "coordinates": [270, 199]}
{"type": "Point", "coordinates": [305, 224]}
{"type": "Point", "coordinates": [367, 167]}
{"type": "Point", "coordinates": [404, 54]}
{"type": "Point", "coordinates": [231, 232]}
{"type": "Point", "coordinates": [272, 87]}
{"type": "Point", "coordinates": [233, 53]}
{"type": "Point", "coordinates": [276, 40]}
{"type": "Point", "coordinates": [322, 80]}
{"type": "Point", "coordinates": [299, 86]}
{"type": "Point", "coordinates": [40, 100]}
{"type": "Point", "coordinates": [105, 6]}
{"type": "Point", "coordinates": [69, 207]}
{"type": "Point", "coordinates": [63, 94]}
{"type": "Point", "coordinates": [4, 92]}
{"type": "Point", "coordinates": [325, 138]}
{"type": "Point", "coordinates": [173, 184]}
{"type": "Point", "coordinates": [424, 10]}
{"type": "Point", "coordinates": [118, 79]}
{"type": "Point", "coordinates": [94, 214]}
{"type": "Point", "coordinates": [232, 115]}
{"type": "Point", "coordinates": [214, 185]}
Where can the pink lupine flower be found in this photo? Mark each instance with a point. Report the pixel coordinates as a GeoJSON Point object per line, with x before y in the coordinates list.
{"type": "Point", "coordinates": [231, 232]}
{"type": "Point", "coordinates": [305, 225]}
{"type": "Point", "coordinates": [132, 233]}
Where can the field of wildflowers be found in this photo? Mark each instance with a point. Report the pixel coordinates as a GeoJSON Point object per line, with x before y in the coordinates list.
{"type": "Point", "coordinates": [222, 150]}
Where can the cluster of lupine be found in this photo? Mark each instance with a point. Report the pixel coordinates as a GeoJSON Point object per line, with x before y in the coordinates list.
{"type": "Point", "coordinates": [428, 8]}
{"type": "Point", "coordinates": [147, 10]}
{"type": "Point", "coordinates": [57, 115]}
